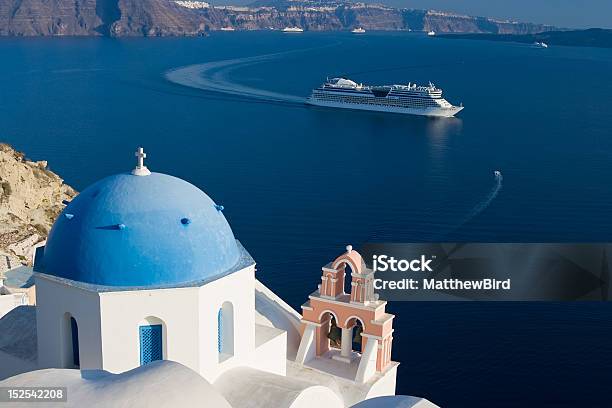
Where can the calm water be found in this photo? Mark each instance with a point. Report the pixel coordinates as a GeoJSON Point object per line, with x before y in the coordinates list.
{"type": "Point", "coordinates": [298, 183]}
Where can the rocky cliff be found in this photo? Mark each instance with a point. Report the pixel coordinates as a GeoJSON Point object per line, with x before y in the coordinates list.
{"type": "Point", "coordinates": [179, 17]}
{"type": "Point", "coordinates": [31, 198]}
{"type": "Point", "coordinates": [54, 17]}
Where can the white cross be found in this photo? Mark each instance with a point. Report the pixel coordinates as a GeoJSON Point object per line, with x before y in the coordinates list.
{"type": "Point", "coordinates": [141, 155]}
{"type": "Point", "coordinates": [141, 169]}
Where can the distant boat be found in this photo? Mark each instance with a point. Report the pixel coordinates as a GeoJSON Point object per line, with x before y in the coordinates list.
{"type": "Point", "coordinates": [228, 29]}
{"type": "Point", "coordinates": [293, 30]}
{"type": "Point", "coordinates": [358, 30]}
{"type": "Point", "coordinates": [498, 174]}
{"type": "Point", "coordinates": [540, 44]}
{"type": "Point", "coordinates": [431, 33]}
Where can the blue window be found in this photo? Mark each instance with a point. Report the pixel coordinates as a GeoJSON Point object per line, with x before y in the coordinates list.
{"type": "Point", "coordinates": [150, 344]}
{"type": "Point", "coordinates": [74, 330]}
{"type": "Point", "coordinates": [225, 331]}
{"type": "Point", "coordinates": [220, 331]}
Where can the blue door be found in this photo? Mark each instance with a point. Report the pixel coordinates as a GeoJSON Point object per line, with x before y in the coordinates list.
{"type": "Point", "coordinates": [150, 344]}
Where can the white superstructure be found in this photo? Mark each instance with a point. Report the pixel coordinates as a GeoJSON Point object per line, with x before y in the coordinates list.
{"type": "Point", "coordinates": [407, 99]}
{"type": "Point", "coordinates": [293, 30]}
{"type": "Point", "coordinates": [358, 30]}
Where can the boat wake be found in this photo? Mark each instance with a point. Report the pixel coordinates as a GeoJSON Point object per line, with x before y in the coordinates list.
{"type": "Point", "coordinates": [382, 232]}
{"type": "Point", "coordinates": [214, 77]}
{"type": "Point", "coordinates": [485, 203]}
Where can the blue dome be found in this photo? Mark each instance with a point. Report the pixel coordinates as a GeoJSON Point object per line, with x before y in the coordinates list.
{"type": "Point", "coordinates": [128, 230]}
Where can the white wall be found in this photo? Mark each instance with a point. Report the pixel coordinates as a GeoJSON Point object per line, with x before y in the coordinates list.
{"type": "Point", "coordinates": [239, 289]}
{"type": "Point", "coordinates": [385, 385]}
{"type": "Point", "coordinates": [189, 317]}
{"type": "Point", "coordinates": [10, 301]}
{"type": "Point", "coordinates": [54, 300]}
{"type": "Point", "coordinates": [123, 312]}
{"type": "Point", "coordinates": [271, 350]}
{"type": "Point", "coordinates": [109, 336]}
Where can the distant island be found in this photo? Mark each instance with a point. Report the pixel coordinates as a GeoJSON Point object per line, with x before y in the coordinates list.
{"type": "Point", "coordinates": [118, 18]}
{"type": "Point", "coordinates": [594, 37]}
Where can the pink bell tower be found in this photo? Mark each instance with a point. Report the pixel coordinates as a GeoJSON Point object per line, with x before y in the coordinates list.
{"type": "Point", "coordinates": [360, 315]}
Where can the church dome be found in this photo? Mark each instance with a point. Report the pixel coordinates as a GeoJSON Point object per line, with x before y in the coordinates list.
{"type": "Point", "coordinates": [140, 229]}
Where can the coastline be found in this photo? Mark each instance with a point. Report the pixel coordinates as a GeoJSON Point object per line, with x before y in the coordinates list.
{"type": "Point", "coordinates": [593, 37]}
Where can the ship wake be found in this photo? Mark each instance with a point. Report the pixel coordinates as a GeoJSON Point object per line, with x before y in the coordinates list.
{"type": "Point", "coordinates": [485, 203]}
{"type": "Point", "coordinates": [215, 77]}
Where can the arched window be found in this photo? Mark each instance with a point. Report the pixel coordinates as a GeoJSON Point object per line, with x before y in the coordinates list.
{"type": "Point", "coordinates": [220, 331]}
{"type": "Point", "coordinates": [355, 325]}
{"type": "Point", "coordinates": [225, 331]}
{"type": "Point", "coordinates": [151, 335]}
{"type": "Point", "coordinates": [71, 357]}
{"type": "Point", "coordinates": [74, 334]}
{"type": "Point", "coordinates": [335, 333]}
{"type": "Point", "coordinates": [357, 339]}
{"type": "Point", "coordinates": [348, 279]}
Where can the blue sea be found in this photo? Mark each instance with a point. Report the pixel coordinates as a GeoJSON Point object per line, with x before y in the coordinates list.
{"type": "Point", "coordinates": [298, 184]}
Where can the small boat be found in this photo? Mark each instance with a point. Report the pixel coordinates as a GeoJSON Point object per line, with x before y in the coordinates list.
{"type": "Point", "coordinates": [540, 44]}
{"type": "Point", "coordinates": [431, 33]}
{"type": "Point", "coordinates": [497, 174]}
{"type": "Point", "coordinates": [293, 30]}
{"type": "Point", "coordinates": [228, 29]}
{"type": "Point", "coordinates": [358, 30]}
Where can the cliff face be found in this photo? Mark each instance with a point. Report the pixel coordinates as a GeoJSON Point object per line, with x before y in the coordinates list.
{"type": "Point", "coordinates": [55, 17]}
{"type": "Point", "coordinates": [169, 17]}
{"type": "Point", "coordinates": [30, 200]}
{"type": "Point", "coordinates": [98, 17]}
{"type": "Point", "coordinates": [155, 18]}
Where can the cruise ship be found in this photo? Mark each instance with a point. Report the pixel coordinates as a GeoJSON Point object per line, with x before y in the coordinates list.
{"type": "Point", "coordinates": [407, 99]}
{"type": "Point", "coordinates": [293, 30]}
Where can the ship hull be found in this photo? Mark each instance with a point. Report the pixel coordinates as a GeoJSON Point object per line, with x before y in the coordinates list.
{"type": "Point", "coordinates": [430, 111]}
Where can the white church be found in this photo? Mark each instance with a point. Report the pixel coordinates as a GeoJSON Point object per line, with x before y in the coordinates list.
{"type": "Point", "coordinates": [144, 298]}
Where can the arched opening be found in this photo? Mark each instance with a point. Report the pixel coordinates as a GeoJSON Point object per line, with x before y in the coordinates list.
{"type": "Point", "coordinates": [357, 330]}
{"type": "Point", "coordinates": [151, 333]}
{"type": "Point", "coordinates": [355, 325]}
{"type": "Point", "coordinates": [334, 333]}
{"type": "Point", "coordinates": [74, 329]}
{"type": "Point", "coordinates": [348, 278]}
{"type": "Point", "coordinates": [71, 357]}
{"type": "Point", "coordinates": [329, 334]}
{"type": "Point", "coordinates": [225, 331]}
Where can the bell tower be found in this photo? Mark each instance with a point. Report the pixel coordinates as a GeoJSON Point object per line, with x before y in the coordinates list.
{"type": "Point", "coordinates": [359, 315]}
